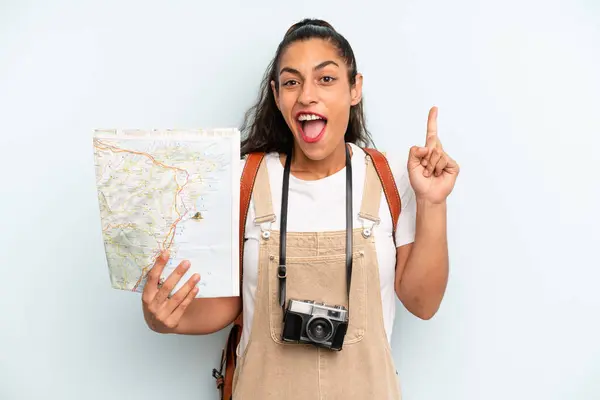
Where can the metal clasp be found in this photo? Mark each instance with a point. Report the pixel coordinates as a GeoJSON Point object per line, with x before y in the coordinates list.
{"type": "Point", "coordinates": [282, 272]}
{"type": "Point", "coordinates": [368, 223]}
{"type": "Point", "coordinates": [265, 225]}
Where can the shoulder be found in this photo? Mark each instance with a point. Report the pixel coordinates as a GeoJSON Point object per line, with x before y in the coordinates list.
{"type": "Point", "coordinates": [245, 158]}
{"type": "Point", "coordinates": [397, 162]}
{"type": "Point", "coordinates": [268, 157]}
{"type": "Point", "coordinates": [406, 225]}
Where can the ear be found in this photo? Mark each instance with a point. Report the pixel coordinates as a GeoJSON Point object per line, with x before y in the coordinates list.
{"type": "Point", "coordinates": [275, 94]}
{"type": "Point", "coordinates": [356, 90]}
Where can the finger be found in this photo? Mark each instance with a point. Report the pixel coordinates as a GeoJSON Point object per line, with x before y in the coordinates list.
{"type": "Point", "coordinates": [418, 151]}
{"type": "Point", "coordinates": [425, 159]}
{"type": "Point", "coordinates": [176, 315]}
{"type": "Point", "coordinates": [452, 166]}
{"type": "Point", "coordinates": [441, 165]}
{"type": "Point", "coordinates": [416, 154]}
{"type": "Point", "coordinates": [432, 128]}
{"type": "Point", "coordinates": [171, 281]}
{"type": "Point", "coordinates": [436, 155]}
{"type": "Point", "coordinates": [181, 295]}
{"type": "Point", "coordinates": [151, 286]}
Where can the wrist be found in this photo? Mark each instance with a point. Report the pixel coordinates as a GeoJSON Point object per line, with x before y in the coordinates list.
{"type": "Point", "coordinates": [428, 204]}
{"type": "Point", "coordinates": [155, 325]}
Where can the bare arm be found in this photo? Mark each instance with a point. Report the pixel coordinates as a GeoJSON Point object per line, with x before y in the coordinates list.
{"type": "Point", "coordinates": [202, 316]}
{"type": "Point", "coordinates": [183, 313]}
{"type": "Point", "coordinates": [422, 266]}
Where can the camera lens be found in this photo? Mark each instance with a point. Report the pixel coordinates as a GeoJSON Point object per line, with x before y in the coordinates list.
{"type": "Point", "coordinates": [319, 329]}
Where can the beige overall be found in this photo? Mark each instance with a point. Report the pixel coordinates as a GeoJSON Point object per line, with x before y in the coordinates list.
{"type": "Point", "coordinates": [363, 369]}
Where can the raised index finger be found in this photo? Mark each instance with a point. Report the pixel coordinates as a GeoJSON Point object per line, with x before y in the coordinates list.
{"type": "Point", "coordinates": [431, 127]}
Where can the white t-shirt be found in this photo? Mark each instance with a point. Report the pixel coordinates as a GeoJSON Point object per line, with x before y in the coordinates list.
{"type": "Point", "coordinates": [314, 206]}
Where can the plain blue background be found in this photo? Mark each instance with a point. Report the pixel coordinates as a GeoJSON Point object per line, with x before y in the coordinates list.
{"type": "Point", "coordinates": [517, 86]}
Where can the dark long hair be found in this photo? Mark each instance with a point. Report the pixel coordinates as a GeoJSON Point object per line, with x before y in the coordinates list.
{"type": "Point", "coordinates": [264, 129]}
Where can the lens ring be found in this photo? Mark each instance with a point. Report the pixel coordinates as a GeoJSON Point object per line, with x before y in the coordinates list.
{"type": "Point", "coordinates": [319, 329]}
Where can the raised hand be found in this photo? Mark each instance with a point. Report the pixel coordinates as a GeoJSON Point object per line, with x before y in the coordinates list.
{"type": "Point", "coordinates": [432, 172]}
{"type": "Point", "coordinates": [162, 311]}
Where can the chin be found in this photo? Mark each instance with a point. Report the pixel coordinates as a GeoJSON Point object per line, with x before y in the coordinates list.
{"type": "Point", "coordinates": [314, 151]}
{"type": "Point", "coordinates": [315, 154]}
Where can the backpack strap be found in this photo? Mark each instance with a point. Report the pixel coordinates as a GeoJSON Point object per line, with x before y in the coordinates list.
{"type": "Point", "coordinates": [247, 180]}
{"type": "Point", "coordinates": [389, 185]}
{"type": "Point", "coordinates": [228, 357]}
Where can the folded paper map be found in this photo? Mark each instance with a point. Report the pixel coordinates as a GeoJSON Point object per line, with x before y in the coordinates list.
{"type": "Point", "coordinates": [170, 189]}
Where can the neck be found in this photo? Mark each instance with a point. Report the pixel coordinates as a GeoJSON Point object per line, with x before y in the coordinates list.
{"type": "Point", "coordinates": [304, 168]}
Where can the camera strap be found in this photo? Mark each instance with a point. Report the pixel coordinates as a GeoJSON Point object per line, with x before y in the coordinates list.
{"type": "Point", "coordinates": [282, 270]}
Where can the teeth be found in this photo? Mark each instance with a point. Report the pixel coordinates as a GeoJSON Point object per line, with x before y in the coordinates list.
{"type": "Point", "coordinates": [308, 117]}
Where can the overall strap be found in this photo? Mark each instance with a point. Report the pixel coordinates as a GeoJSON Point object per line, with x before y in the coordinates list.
{"type": "Point", "coordinates": [371, 199]}
{"type": "Point", "coordinates": [388, 183]}
{"type": "Point", "coordinates": [263, 203]}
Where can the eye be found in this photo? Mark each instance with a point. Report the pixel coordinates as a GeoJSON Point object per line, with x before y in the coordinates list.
{"type": "Point", "coordinates": [328, 79]}
{"type": "Point", "coordinates": [290, 82]}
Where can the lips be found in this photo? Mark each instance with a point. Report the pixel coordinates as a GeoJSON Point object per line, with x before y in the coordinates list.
{"type": "Point", "coordinates": [311, 126]}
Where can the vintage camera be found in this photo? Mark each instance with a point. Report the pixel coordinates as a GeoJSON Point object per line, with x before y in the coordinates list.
{"type": "Point", "coordinates": [306, 321]}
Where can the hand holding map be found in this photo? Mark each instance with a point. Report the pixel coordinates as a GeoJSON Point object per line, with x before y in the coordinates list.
{"type": "Point", "coordinates": [163, 310]}
{"type": "Point", "coordinates": [175, 190]}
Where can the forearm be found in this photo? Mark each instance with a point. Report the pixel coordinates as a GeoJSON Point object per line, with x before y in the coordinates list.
{"type": "Point", "coordinates": [423, 281]}
{"type": "Point", "coordinates": [203, 316]}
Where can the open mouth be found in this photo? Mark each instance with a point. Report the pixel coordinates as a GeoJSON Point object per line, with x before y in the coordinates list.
{"type": "Point", "coordinates": [311, 126]}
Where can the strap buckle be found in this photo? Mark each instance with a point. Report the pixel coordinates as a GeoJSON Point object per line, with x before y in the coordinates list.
{"type": "Point", "coordinates": [217, 374]}
{"type": "Point", "coordinates": [369, 223]}
{"type": "Point", "coordinates": [265, 225]}
{"type": "Point", "coordinates": [282, 272]}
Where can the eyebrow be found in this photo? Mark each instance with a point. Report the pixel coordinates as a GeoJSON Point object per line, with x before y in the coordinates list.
{"type": "Point", "coordinates": [318, 67]}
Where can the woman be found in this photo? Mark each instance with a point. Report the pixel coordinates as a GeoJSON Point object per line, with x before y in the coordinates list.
{"type": "Point", "coordinates": [304, 243]}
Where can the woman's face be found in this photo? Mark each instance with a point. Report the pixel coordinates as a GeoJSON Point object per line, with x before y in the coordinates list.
{"type": "Point", "coordinates": [315, 96]}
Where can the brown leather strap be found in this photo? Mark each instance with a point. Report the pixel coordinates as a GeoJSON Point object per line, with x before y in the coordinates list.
{"type": "Point", "coordinates": [225, 383]}
{"type": "Point", "coordinates": [246, 185]}
{"type": "Point", "coordinates": [389, 185]}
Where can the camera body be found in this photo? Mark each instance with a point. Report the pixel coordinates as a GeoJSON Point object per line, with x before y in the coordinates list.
{"type": "Point", "coordinates": [322, 325]}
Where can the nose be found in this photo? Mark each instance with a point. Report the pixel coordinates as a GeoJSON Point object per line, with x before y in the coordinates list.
{"type": "Point", "coordinates": [308, 94]}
